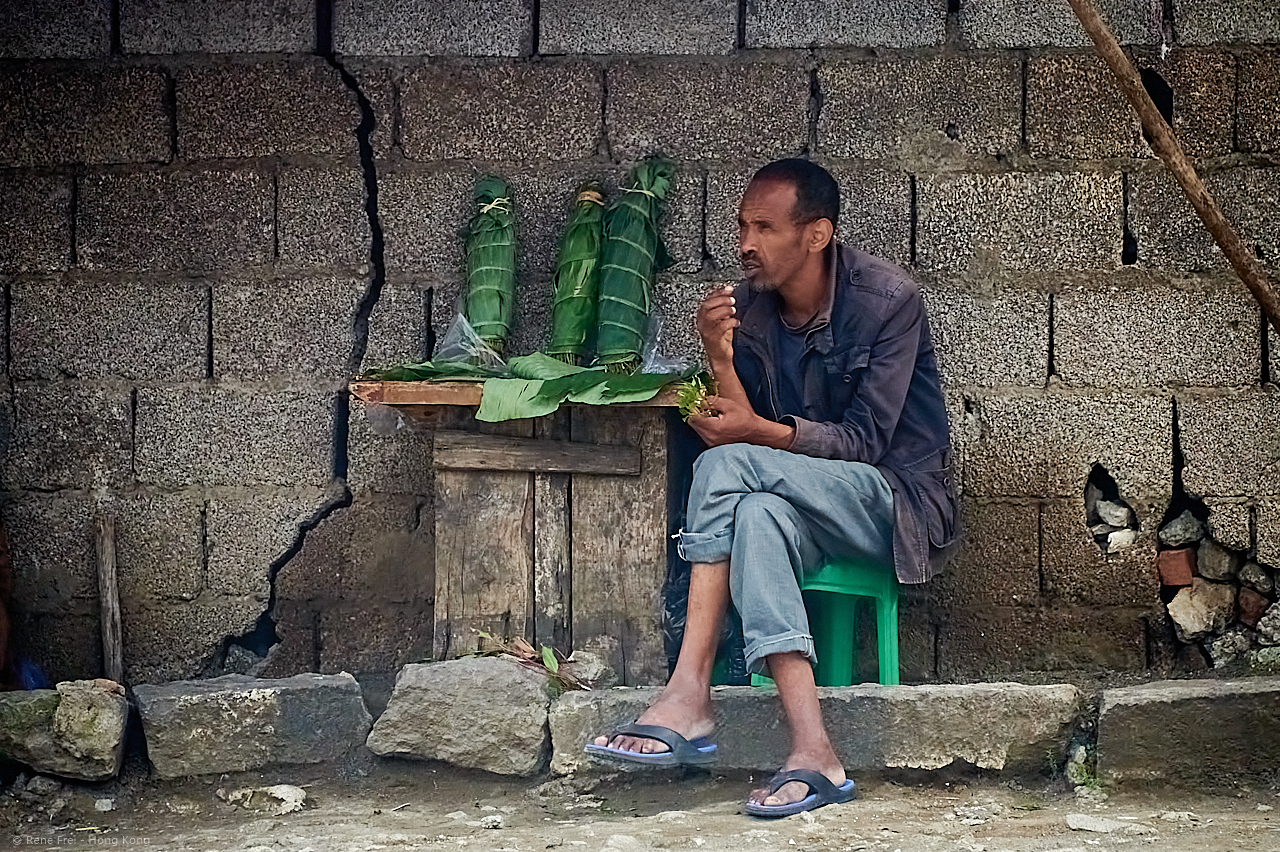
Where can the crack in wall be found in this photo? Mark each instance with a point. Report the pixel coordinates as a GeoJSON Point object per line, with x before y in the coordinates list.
{"type": "Point", "coordinates": [814, 110]}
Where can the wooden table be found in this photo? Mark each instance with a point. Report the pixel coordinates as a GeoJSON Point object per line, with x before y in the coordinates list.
{"type": "Point", "coordinates": [557, 528]}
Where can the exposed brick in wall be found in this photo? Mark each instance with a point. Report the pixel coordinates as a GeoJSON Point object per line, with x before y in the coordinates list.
{"type": "Point", "coordinates": [190, 273]}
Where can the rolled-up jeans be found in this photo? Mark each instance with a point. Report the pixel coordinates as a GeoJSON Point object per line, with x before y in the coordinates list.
{"type": "Point", "coordinates": [773, 515]}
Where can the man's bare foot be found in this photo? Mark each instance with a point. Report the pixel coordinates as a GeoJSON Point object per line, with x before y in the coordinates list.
{"type": "Point", "coordinates": [828, 764]}
{"type": "Point", "coordinates": [689, 715]}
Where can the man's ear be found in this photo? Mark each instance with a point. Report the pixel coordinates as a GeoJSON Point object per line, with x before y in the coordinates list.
{"type": "Point", "coordinates": [820, 235]}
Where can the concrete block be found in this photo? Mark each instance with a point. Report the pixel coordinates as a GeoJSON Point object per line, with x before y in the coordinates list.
{"type": "Point", "coordinates": [1230, 522]}
{"type": "Point", "coordinates": [1025, 642]}
{"type": "Point", "coordinates": [66, 644]}
{"type": "Point", "coordinates": [973, 225]}
{"type": "Point", "coordinates": [399, 325]}
{"type": "Point", "coordinates": [1047, 444]}
{"type": "Point", "coordinates": [875, 213]}
{"type": "Point", "coordinates": [1077, 571]}
{"type": "Point", "coordinates": [501, 112]}
{"type": "Point", "coordinates": [1171, 236]}
{"type": "Point", "coordinates": [54, 560]}
{"type": "Point", "coordinates": [74, 731]}
{"type": "Point", "coordinates": [738, 111]}
{"type": "Point", "coordinates": [853, 23]}
{"type": "Point", "coordinates": [1268, 525]}
{"type": "Point", "coordinates": [1076, 111]}
{"type": "Point", "coordinates": [176, 221]}
{"type": "Point", "coordinates": [246, 535]}
{"type": "Point", "coordinates": [63, 29]}
{"type": "Point", "coordinates": [69, 436]}
{"type": "Point", "coordinates": [399, 462]}
{"type": "Point", "coordinates": [322, 218]}
{"type": "Point", "coordinates": [699, 27]}
{"type": "Point", "coordinates": [160, 548]}
{"type": "Point", "coordinates": [35, 222]}
{"type": "Point", "coordinates": [1190, 732]}
{"type": "Point", "coordinates": [1257, 112]}
{"type": "Point", "coordinates": [1231, 444]}
{"type": "Point", "coordinates": [231, 26]}
{"type": "Point", "coordinates": [1145, 334]}
{"type": "Point", "coordinates": [236, 723]}
{"type": "Point", "coordinates": [351, 638]}
{"type": "Point", "coordinates": [1030, 23]}
{"type": "Point", "coordinates": [169, 641]}
{"type": "Point", "coordinates": [296, 327]}
{"type": "Point", "coordinates": [107, 115]}
{"type": "Point", "coordinates": [998, 726]}
{"type": "Point", "coordinates": [232, 436]}
{"type": "Point", "coordinates": [377, 82]}
{"type": "Point", "coordinates": [79, 328]}
{"type": "Point", "coordinates": [443, 28]}
{"type": "Point", "coordinates": [1204, 86]}
{"type": "Point", "coordinates": [266, 109]}
{"type": "Point", "coordinates": [989, 339]}
{"type": "Point", "coordinates": [1227, 21]}
{"type": "Point", "coordinates": [999, 561]}
{"type": "Point", "coordinates": [924, 110]}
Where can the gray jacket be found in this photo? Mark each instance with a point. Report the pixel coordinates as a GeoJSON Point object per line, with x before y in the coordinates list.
{"type": "Point", "coordinates": [871, 393]}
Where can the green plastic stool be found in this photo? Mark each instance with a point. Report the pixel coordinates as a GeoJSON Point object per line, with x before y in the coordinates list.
{"type": "Point", "coordinates": [828, 597]}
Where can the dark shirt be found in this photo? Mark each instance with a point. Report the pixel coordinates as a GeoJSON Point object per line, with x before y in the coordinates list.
{"type": "Point", "coordinates": [869, 391]}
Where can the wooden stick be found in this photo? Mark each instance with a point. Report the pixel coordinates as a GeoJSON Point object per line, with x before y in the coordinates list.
{"type": "Point", "coordinates": [109, 596]}
{"type": "Point", "coordinates": [1170, 151]}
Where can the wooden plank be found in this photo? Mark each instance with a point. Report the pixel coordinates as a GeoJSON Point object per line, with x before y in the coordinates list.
{"type": "Point", "coordinates": [472, 451]}
{"type": "Point", "coordinates": [109, 597]}
{"type": "Point", "coordinates": [484, 554]}
{"type": "Point", "coordinates": [619, 547]}
{"type": "Point", "coordinates": [552, 565]}
{"type": "Point", "coordinates": [462, 393]}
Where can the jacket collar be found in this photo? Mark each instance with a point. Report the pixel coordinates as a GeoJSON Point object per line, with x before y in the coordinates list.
{"type": "Point", "coordinates": [763, 314]}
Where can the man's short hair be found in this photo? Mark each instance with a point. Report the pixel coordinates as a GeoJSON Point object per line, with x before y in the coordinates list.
{"type": "Point", "coordinates": [817, 195]}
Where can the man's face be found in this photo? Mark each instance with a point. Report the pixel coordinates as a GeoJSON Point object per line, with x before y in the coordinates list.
{"type": "Point", "coordinates": [772, 246]}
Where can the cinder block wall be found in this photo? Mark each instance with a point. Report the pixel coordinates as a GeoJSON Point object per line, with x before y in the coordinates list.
{"type": "Point", "coordinates": [211, 215]}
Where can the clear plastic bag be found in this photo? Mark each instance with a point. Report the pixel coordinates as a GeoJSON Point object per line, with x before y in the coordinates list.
{"type": "Point", "coordinates": [384, 420]}
{"type": "Point", "coordinates": [654, 361]}
{"type": "Point", "coordinates": [462, 344]}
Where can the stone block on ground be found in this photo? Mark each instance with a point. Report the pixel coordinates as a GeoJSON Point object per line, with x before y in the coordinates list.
{"type": "Point", "coordinates": [1248, 463]}
{"type": "Point", "coordinates": [478, 712]}
{"type": "Point", "coordinates": [75, 731]}
{"type": "Point", "coordinates": [236, 723]}
{"type": "Point", "coordinates": [1227, 21]}
{"type": "Point", "coordinates": [1190, 732]}
{"type": "Point", "coordinates": [1030, 23]}
{"type": "Point", "coordinates": [439, 28]}
{"type": "Point", "coordinates": [229, 26]}
{"type": "Point", "coordinates": [996, 726]}
{"type": "Point", "coordinates": [64, 29]}
{"type": "Point", "coordinates": [920, 110]}
{"type": "Point", "coordinates": [35, 222]}
{"type": "Point", "coordinates": [855, 23]}
{"type": "Point", "coordinates": [699, 27]}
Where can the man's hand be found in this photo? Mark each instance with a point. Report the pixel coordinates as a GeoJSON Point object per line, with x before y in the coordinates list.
{"type": "Point", "coordinates": [716, 321]}
{"type": "Point", "coordinates": [731, 422]}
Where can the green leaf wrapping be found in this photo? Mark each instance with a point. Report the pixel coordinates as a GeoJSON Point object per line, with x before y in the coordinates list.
{"type": "Point", "coordinates": [632, 254]}
{"type": "Point", "coordinates": [491, 263]}
{"type": "Point", "coordinates": [573, 312]}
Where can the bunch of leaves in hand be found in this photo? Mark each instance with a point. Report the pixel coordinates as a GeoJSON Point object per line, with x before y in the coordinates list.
{"type": "Point", "coordinates": [691, 396]}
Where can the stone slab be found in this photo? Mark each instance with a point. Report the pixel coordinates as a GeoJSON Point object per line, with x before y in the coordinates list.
{"type": "Point", "coordinates": [504, 727]}
{"type": "Point", "coordinates": [322, 219]}
{"type": "Point", "coordinates": [104, 115]}
{"type": "Point", "coordinates": [1076, 111]}
{"type": "Point", "coordinates": [300, 328]}
{"type": "Point", "coordinates": [1227, 21]}
{"type": "Point", "coordinates": [989, 339]}
{"type": "Point", "coordinates": [1047, 444]}
{"type": "Point", "coordinates": [69, 436]}
{"type": "Point", "coordinates": [61, 29]}
{"type": "Point", "coordinates": [973, 225]}
{"type": "Point", "coordinates": [175, 220]}
{"type": "Point", "coordinates": [1248, 462]}
{"type": "Point", "coordinates": [1258, 116]}
{"type": "Point", "coordinates": [699, 110]}
{"type": "Point", "coordinates": [230, 26]}
{"type": "Point", "coordinates": [236, 723]}
{"type": "Point", "coordinates": [74, 731]}
{"type": "Point", "coordinates": [188, 435]}
{"type": "Point", "coordinates": [1190, 732]}
{"type": "Point", "coordinates": [698, 27]}
{"type": "Point", "coordinates": [922, 110]}
{"type": "Point", "coordinates": [443, 28]}
{"type": "Point", "coordinates": [1077, 571]}
{"type": "Point", "coordinates": [35, 222]}
{"type": "Point", "coordinates": [852, 23]}
{"type": "Point", "coordinates": [1121, 333]}
{"type": "Point", "coordinates": [298, 106]}
{"type": "Point", "coordinates": [996, 726]}
{"type": "Point", "coordinates": [1031, 23]}
{"type": "Point", "coordinates": [547, 111]}
{"type": "Point", "coordinates": [80, 328]}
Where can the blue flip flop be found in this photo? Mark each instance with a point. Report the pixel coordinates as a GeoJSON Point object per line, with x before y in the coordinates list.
{"type": "Point", "coordinates": [821, 792]}
{"type": "Point", "coordinates": [700, 751]}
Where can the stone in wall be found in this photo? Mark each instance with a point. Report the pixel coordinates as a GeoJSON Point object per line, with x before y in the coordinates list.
{"type": "Point", "coordinates": [65, 29]}
{"type": "Point", "coordinates": [812, 23]}
{"type": "Point", "coordinates": [1076, 111]}
{"type": "Point", "coordinates": [699, 27]}
{"type": "Point", "coordinates": [999, 559]}
{"type": "Point", "coordinates": [230, 26]}
{"type": "Point", "coordinates": [1247, 462]}
{"type": "Point", "coordinates": [989, 339]}
{"type": "Point", "coordinates": [1227, 21]}
{"type": "Point", "coordinates": [1029, 23]}
{"type": "Point", "coordinates": [322, 219]}
{"type": "Point", "coordinates": [439, 28]}
{"type": "Point", "coordinates": [1076, 569]}
{"type": "Point", "coordinates": [1203, 84]}
{"type": "Point", "coordinates": [69, 435]}
{"type": "Point", "coordinates": [35, 222]}
{"type": "Point", "coordinates": [1259, 121]}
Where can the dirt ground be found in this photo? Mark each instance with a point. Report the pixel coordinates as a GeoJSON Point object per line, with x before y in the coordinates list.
{"type": "Point", "coordinates": [402, 805]}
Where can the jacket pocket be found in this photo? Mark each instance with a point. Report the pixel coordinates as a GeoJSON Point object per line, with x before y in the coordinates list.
{"type": "Point", "coordinates": [844, 371]}
{"type": "Point", "coordinates": [933, 480]}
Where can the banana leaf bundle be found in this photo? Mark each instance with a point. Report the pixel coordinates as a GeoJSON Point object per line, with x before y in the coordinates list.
{"type": "Point", "coordinates": [632, 254]}
{"type": "Point", "coordinates": [491, 263]}
{"type": "Point", "coordinates": [573, 311]}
